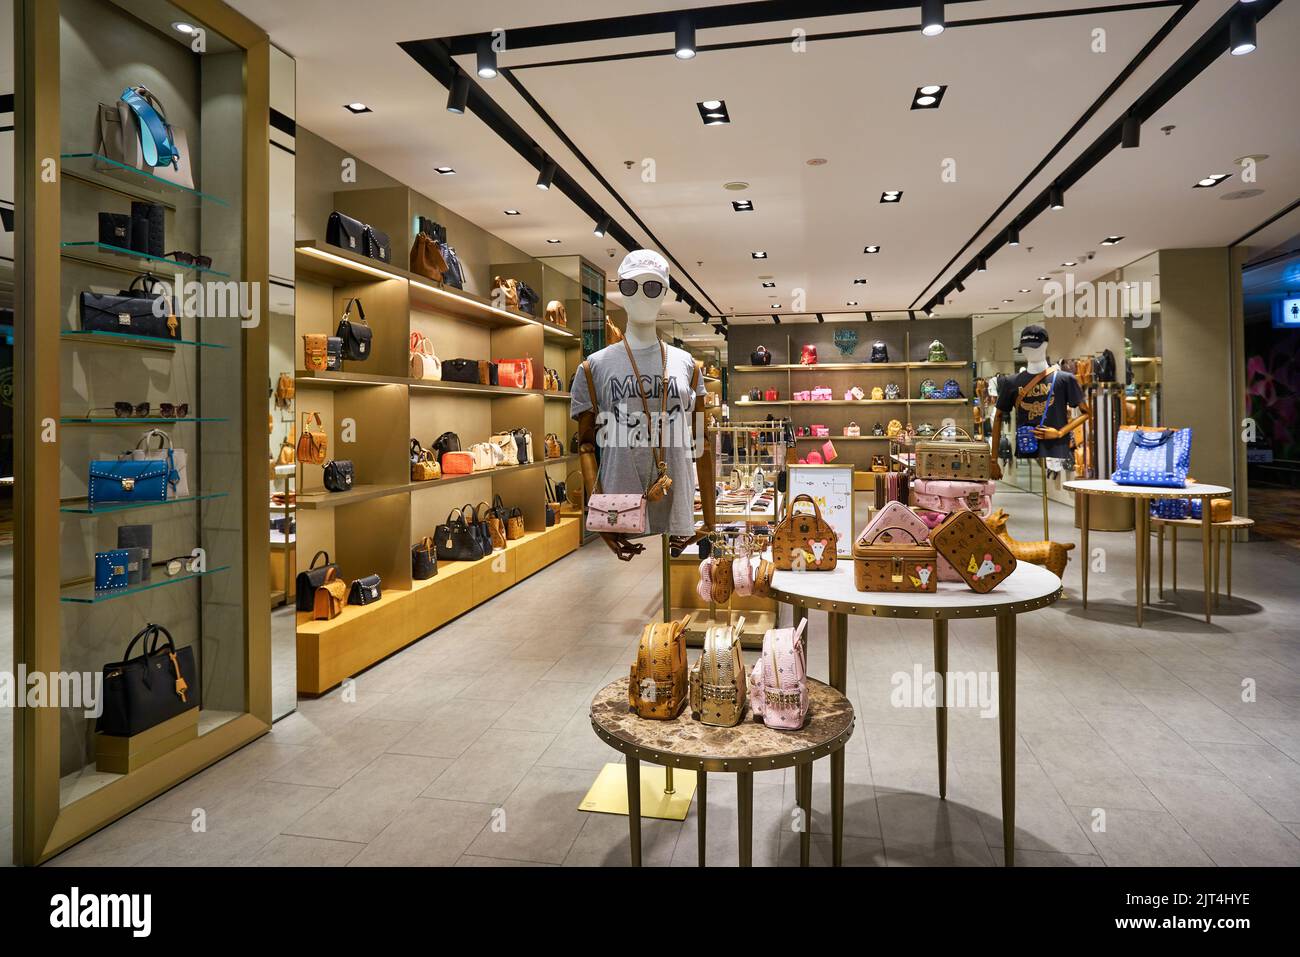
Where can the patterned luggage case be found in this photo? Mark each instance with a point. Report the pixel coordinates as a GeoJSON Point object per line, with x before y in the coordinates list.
{"type": "Point", "coordinates": [951, 495]}
{"type": "Point", "coordinates": [953, 458]}
{"type": "Point", "coordinates": [895, 560]}
{"type": "Point", "coordinates": [656, 687]}
{"type": "Point", "coordinates": [896, 515]}
{"type": "Point", "coordinates": [978, 555]}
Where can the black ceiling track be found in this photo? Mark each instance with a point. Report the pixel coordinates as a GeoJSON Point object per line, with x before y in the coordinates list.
{"type": "Point", "coordinates": [1205, 51]}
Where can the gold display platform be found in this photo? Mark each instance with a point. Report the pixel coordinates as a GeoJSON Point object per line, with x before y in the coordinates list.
{"type": "Point", "coordinates": [608, 794]}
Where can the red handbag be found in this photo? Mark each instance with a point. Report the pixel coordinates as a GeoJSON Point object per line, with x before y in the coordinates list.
{"type": "Point", "coordinates": [770, 395]}
{"type": "Point", "coordinates": [808, 355]}
{"type": "Point", "coordinates": [515, 373]}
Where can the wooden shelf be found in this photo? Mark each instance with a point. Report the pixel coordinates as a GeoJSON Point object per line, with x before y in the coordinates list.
{"type": "Point", "coordinates": [358, 493]}
{"type": "Point", "coordinates": [853, 366]}
{"type": "Point", "coordinates": [841, 438]}
{"type": "Point", "coordinates": [345, 380]}
{"type": "Point", "coordinates": [468, 388]}
{"type": "Point", "coordinates": [558, 396]}
{"type": "Point", "coordinates": [483, 473]}
{"type": "Point", "coordinates": [338, 266]}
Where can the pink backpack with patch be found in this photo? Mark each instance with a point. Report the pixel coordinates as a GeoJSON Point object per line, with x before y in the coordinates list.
{"type": "Point", "coordinates": [778, 682]}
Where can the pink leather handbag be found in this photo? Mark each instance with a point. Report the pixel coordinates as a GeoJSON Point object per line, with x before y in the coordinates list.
{"type": "Point", "coordinates": [778, 682]}
{"type": "Point", "coordinates": [623, 514]}
{"type": "Point", "coordinates": [742, 574]}
{"type": "Point", "coordinates": [895, 515]}
{"type": "Point", "coordinates": [821, 394]}
{"type": "Point", "coordinates": [803, 396]}
{"type": "Point", "coordinates": [704, 587]}
{"type": "Point", "coordinates": [820, 431]}
{"type": "Point", "coordinates": [949, 495]}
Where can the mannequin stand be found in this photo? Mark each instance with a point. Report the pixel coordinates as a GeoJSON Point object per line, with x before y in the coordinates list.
{"type": "Point", "coordinates": [660, 796]}
{"type": "Point", "coordinates": [1042, 465]}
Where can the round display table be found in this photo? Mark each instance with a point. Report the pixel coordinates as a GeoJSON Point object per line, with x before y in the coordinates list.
{"type": "Point", "coordinates": [1142, 494]}
{"type": "Point", "coordinates": [1028, 588]}
{"type": "Point", "coordinates": [748, 747]}
{"type": "Point", "coordinates": [1219, 531]}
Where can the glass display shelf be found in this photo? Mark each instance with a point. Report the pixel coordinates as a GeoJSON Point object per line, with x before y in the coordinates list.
{"type": "Point", "coordinates": [85, 593]}
{"type": "Point", "coordinates": [83, 506]}
{"type": "Point", "coordinates": [84, 164]}
{"type": "Point", "coordinates": [134, 420]}
{"type": "Point", "coordinates": [123, 252]}
{"type": "Point", "coordinates": [125, 339]}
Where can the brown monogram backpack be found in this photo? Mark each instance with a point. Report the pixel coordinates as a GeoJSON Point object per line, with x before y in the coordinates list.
{"type": "Point", "coordinates": [656, 687]}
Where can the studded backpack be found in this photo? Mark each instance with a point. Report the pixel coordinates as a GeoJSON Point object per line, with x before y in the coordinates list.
{"type": "Point", "coordinates": [656, 687]}
{"type": "Point", "coordinates": [717, 679]}
{"type": "Point", "coordinates": [778, 683]}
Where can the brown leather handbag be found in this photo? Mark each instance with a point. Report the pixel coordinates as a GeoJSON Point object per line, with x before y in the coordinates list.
{"type": "Point", "coordinates": [804, 540]}
{"type": "Point", "coordinates": [554, 449]}
{"type": "Point", "coordinates": [556, 313]}
{"type": "Point", "coordinates": [483, 512]}
{"type": "Point", "coordinates": [427, 259]}
{"type": "Point", "coordinates": [978, 555]}
{"type": "Point", "coordinates": [313, 443]}
{"type": "Point", "coordinates": [893, 560]}
{"type": "Point", "coordinates": [424, 467]}
{"type": "Point", "coordinates": [330, 596]}
{"type": "Point", "coordinates": [315, 352]}
{"type": "Point", "coordinates": [511, 288]}
{"type": "Point", "coordinates": [515, 525]}
{"type": "Point", "coordinates": [657, 686]}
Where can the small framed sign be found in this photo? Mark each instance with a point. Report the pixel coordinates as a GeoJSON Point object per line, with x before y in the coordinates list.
{"type": "Point", "coordinates": [831, 487]}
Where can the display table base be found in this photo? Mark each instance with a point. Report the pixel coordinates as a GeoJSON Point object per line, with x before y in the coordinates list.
{"type": "Point", "coordinates": [608, 794]}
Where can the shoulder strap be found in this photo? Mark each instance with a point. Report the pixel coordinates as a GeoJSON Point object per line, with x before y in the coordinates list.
{"type": "Point", "coordinates": [1024, 389]}
{"type": "Point", "coordinates": [591, 385]}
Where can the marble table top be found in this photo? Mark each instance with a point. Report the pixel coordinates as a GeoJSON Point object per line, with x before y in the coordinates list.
{"type": "Point", "coordinates": [1107, 487]}
{"type": "Point", "coordinates": [1027, 588]}
{"type": "Point", "coordinates": [749, 746]}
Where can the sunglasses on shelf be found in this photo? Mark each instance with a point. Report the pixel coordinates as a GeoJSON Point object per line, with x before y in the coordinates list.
{"type": "Point", "coordinates": [141, 410]}
{"type": "Point", "coordinates": [174, 566]}
{"type": "Point", "coordinates": [190, 259]}
{"type": "Point", "coordinates": [653, 288]}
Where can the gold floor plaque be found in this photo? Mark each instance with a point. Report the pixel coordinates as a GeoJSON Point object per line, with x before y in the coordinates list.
{"type": "Point", "coordinates": [608, 795]}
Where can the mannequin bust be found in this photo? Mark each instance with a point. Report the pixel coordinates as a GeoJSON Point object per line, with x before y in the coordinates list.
{"type": "Point", "coordinates": [668, 378]}
{"type": "Point", "coordinates": [1061, 387]}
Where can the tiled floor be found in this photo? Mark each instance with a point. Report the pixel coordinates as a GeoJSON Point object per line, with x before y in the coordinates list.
{"type": "Point", "coordinates": [1175, 744]}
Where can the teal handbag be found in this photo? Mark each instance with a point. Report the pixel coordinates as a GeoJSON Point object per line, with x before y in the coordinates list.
{"type": "Point", "coordinates": [130, 480]}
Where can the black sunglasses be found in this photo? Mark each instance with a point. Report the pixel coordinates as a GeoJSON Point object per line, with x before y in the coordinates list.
{"type": "Point", "coordinates": [653, 288]}
{"type": "Point", "coordinates": [190, 259]}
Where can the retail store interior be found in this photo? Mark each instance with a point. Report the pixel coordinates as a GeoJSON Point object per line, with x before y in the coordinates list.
{"type": "Point", "coordinates": [967, 531]}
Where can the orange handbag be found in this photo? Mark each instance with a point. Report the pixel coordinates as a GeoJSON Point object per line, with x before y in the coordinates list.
{"type": "Point", "coordinates": [313, 443]}
{"type": "Point", "coordinates": [457, 463]}
{"type": "Point", "coordinates": [515, 373]}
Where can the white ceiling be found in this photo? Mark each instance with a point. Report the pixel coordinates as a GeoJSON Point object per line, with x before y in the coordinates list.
{"type": "Point", "coordinates": [1014, 89]}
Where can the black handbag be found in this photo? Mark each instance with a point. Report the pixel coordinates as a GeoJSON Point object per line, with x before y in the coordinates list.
{"type": "Point", "coordinates": [433, 229]}
{"type": "Point", "coordinates": [377, 245]}
{"type": "Point", "coordinates": [133, 311]}
{"type": "Point", "coordinates": [479, 526]}
{"type": "Point", "coordinates": [424, 559]}
{"type": "Point", "coordinates": [355, 335]}
{"type": "Point", "coordinates": [522, 444]}
{"type": "Point", "coordinates": [346, 232]}
{"type": "Point", "coordinates": [499, 509]}
{"type": "Point", "coordinates": [364, 591]}
{"type": "Point", "coordinates": [142, 692]}
{"type": "Point", "coordinates": [308, 581]}
{"type": "Point", "coordinates": [455, 541]}
{"type": "Point", "coordinates": [460, 370]}
{"type": "Point", "coordinates": [333, 354]}
{"type": "Point", "coordinates": [528, 298]}
{"type": "Point", "coordinates": [338, 475]}
{"type": "Point", "coordinates": [454, 276]}
{"type": "Point", "coordinates": [115, 230]}
{"type": "Point", "coordinates": [879, 352]}
{"type": "Point", "coordinates": [760, 357]}
{"type": "Point", "coordinates": [447, 442]}
{"type": "Point", "coordinates": [148, 234]}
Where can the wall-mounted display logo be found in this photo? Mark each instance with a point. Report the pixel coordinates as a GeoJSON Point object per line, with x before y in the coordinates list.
{"type": "Point", "coordinates": [846, 340]}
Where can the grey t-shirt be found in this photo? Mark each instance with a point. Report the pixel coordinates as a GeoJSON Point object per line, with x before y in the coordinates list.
{"type": "Point", "coordinates": [626, 444]}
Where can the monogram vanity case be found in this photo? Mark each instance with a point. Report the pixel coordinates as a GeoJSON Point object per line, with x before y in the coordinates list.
{"type": "Point", "coordinates": [894, 558]}
{"type": "Point", "coordinates": [656, 687]}
{"type": "Point", "coordinates": [953, 458]}
{"type": "Point", "coordinates": [981, 558]}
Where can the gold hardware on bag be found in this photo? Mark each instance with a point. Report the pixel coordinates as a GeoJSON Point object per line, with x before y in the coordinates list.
{"type": "Point", "coordinates": [123, 319]}
{"type": "Point", "coordinates": [128, 484]}
{"type": "Point", "coordinates": [897, 576]}
{"type": "Point", "coordinates": [172, 324]}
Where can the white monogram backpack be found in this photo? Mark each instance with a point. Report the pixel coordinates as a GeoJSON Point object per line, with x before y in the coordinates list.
{"type": "Point", "coordinates": [717, 679]}
{"type": "Point", "coordinates": [778, 684]}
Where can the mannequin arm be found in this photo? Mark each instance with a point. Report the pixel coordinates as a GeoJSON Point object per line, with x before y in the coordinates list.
{"type": "Point", "coordinates": [995, 468]}
{"type": "Point", "coordinates": [1046, 432]}
{"type": "Point", "coordinates": [623, 548]}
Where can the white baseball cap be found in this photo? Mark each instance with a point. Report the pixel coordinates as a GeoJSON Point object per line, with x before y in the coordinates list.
{"type": "Point", "coordinates": [641, 261]}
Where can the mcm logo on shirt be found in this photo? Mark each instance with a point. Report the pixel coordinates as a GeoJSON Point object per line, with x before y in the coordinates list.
{"type": "Point", "coordinates": [1034, 401]}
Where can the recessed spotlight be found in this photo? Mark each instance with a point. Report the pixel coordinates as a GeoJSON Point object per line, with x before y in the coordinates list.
{"type": "Point", "coordinates": [859, 282]}
{"type": "Point", "coordinates": [735, 185]}
{"type": "Point", "coordinates": [758, 254]}
{"type": "Point", "coordinates": [1044, 278]}
{"type": "Point", "coordinates": [1026, 290]}
{"type": "Point", "coordinates": [769, 285]}
{"type": "Point", "coordinates": [891, 196]}
{"type": "Point", "coordinates": [713, 112]}
{"type": "Point", "coordinates": [357, 108]}
{"type": "Point", "coordinates": [553, 242]}
{"type": "Point", "coordinates": [443, 170]}
{"type": "Point", "coordinates": [1111, 240]}
{"type": "Point", "coordinates": [1008, 300]}
{"type": "Point", "coordinates": [180, 26]}
{"type": "Point", "coordinates": [851, 302]}
{"type": "Point", "coordinates": [742, 205]}
{"type": "Point", "coordinates": [817, 161]}
{"type": "Point", "coordinates": [776, 305]}
{"type": "Point", "coordinates": [1069, 263]}
{"type": "Point", "coordinates": [871, 249]}
{"type": "Point", "coordinates": [928, 97]}
{"type": "Point", "coordinates": [1214, 179]}
{"type": "Point", "coordinates": [513, 212]}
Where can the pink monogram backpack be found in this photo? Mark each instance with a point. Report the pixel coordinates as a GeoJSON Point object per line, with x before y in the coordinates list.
{"type": "Point", "coordinates": [778, 682]}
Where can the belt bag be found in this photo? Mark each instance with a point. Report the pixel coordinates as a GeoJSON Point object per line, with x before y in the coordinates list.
{"type": "Point", "coordinates": [129, 480]}
{"type": "Point", "coordinates": [377, 245]}
{"type": "Point", "coordinates": [308, 581]}
{"type": "Point", "coordinates": [460, 370]}
{"type": "Point", "coordinates": [338, 475]}
{"type": "Point", "coordinates": [516, 373]}
{"type": "Point", "coordinates": [140, 693]}
{"type": "Point", "coordinates": [355, 335]}
{"type": "Point", "coordinates": [176, 458]}
{"type": "Point", "coordinates": [133, 311]}
{"type": "Point", "coordinates": [952, 495]}
{"type": "Point", "coordinates": [900, 564]}
{"type": "Point", "coordinates": [624, 514]}
{"type": "Point", "coordinates": [364, 591]}
{"type": "Point", "coordinates": [345, 232]}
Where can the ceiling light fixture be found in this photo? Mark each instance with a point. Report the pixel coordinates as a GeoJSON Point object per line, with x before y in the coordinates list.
{"type": "Point", "coordinates": [928, 310]}
{"type": "Point", "coordinates": [714, 113]}
{"type": "Point", "coordinates": [851, 302]}
{"type": "Point", "coordinates": [443, 170]}
{"type": "Point", "coordinates": [742, 205]}
{"type": "Point", "coordinates": [1111, 240]}
{"type": "Point", "coordinates": [684, 45]}
{"type": "Point", "coordinates": [911, 314]}
{"type": "Point", "coordinates": [870, 318]}
{"type": "Point", "coordinates": [1044, 278]}
{"type": "Point", "coordinates": [553, 242]}
{"type": "Point", "coordinates": [180, 26]}
{"type": "Point", "coordinates": [891, 196]}
{"type": "Point", "coordinates": [1131, 135]}
{"type": "Point", "coordinates": [487, 58]}
{"type": "Point", "coordinates": [859, 282]}
{"type": "Point", "coordinates": [1241, 32]}
{"type": "Point", "coordinates": [1008, 300]}
{"type": "Point", "coordinates": [1209, 182]}
{"type": "Point", "coordinates": [357, 108]}
{"type": "Point", "coordinates": [458, 98]}
{"type": "Point", "coordinates": [1026, 290]}
{"type": "Point", "coordinates": [602, 226]}
{"type": "Point", "coordinates": [769, 285]}
{"type": "Point", "coordinates": [928, 97]}
{"type": "Point", "coordinates": [1056, 197]}
{"type": "Point", "coordinates": [870, 249]}
{"type": "Point", "coordinates": [981, 264]}
{"type": "Point", "coordinates": [1069, 263]}
{"type": "Point", "coordinates": [776, 305]}
{"type": "Point", "coordinates": [932, 17]}
{"type": "Point", "coordinates": [758, 254]}
{"type": "Point", "coordinates": [776, 320]}
{"type": "Point", "coordinates": [547, 175]}
{"type": "Point", "coordinates": [513, 212]}
{"type": "Point", "coordinates": [1013, 235]}
{"type": "Point", "coordinates": [960, 287]}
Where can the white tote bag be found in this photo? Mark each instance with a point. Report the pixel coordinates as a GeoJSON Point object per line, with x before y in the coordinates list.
{"type": "Point", "coordinates": [144, 451]}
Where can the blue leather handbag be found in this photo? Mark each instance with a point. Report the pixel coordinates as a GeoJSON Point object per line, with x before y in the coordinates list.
{"type": "Point", "coordinates": [156, 141]}
{"type": "Point", "coordinates": [130, 480]}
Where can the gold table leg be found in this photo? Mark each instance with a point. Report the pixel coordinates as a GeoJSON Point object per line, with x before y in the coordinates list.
{"type": "Point", "coordinates": [1140, 507]}
{"type": "Point", "coordinates": [1216, 545]}
{"type": "Point", "coordinates": [1084, 497]}
{"type": "Point", "coordinates": [1205, 554]}
{"type": "Point", "coordinates": [1230, 537]}
{"type": "Point", "coordinates": [634, 808]}
{"type": "Point", "coordinates": [837, 807]}
{"type": "Point", "coordinates": [837, 635]}
{"type": "Point", "coordinates": [798, 613]}
{"type": "Point", "coordinates": [1160, 558]}
{"type": "Point", "coordinates": [803, 776]}
{"type": "Point", "coordinates": [702, 788]}
{"type": "Point", "coordinates": [941, 711]}
{"type": "Point", "coordinates": [1173, 548]}
{"type": "Point", "coordinates": [745, 816]}
{"type": "Point", "coordinates": [1006, 657]}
